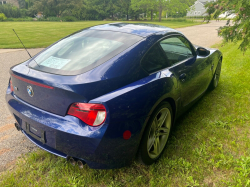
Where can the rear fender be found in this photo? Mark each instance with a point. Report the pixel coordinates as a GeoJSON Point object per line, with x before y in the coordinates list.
{"type": "Point", "coordinates": [131, 106]}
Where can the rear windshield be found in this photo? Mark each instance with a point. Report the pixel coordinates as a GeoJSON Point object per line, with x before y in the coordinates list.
{"type": "Point", "coordinates": [82, 52]}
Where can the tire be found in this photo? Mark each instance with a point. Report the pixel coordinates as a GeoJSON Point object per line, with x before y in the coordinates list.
{"type": "Point", "coordinates": [156, 134]}
{"type": "Point", "coordinates": [215, 81]}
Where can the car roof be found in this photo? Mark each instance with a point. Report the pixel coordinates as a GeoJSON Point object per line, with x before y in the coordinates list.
{"type": "Point", "coordinates": [140, 29]}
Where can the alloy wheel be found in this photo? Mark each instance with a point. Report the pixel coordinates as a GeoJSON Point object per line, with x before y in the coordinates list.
{"type": "Point", "coordinates": [217, 75]}
{"type": "Point", "coordinates": [159, 133]}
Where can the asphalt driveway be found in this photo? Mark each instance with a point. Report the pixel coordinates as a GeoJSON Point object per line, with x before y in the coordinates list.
{"type": "Point", "coordinates": [13, 143]}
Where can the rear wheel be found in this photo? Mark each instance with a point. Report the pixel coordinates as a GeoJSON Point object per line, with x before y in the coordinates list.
{"type": "Point", "coordinates": [216, 77]}
{"type": "Point", "coordinates": [156, 134]}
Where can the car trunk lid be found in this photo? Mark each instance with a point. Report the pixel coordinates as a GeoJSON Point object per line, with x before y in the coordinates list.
{"type": "Point", "coordinates": [50, 96]}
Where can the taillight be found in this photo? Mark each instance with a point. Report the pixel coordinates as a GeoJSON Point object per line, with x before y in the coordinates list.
{"type": "Point", "coordinates": [11, 86]}
{"type": "Point", "coordinates": [91, 114]}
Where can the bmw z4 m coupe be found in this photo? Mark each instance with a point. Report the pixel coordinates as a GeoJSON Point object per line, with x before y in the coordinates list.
{"type": "Point", "coordinates": [110, 93]}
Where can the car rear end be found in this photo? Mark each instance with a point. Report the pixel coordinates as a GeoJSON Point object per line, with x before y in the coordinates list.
{"type": "Point", "coordinates": [75, 131]}
{"type": "Point", "coordinates": [50, 98]}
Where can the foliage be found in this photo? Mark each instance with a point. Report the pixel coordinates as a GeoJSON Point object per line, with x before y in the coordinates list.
{"type": "Point", "coordinates": [20, 19]}
{"type": "Point", "coordinates": [22, 4]}
{"type": "Point", "coordinates": [177, 8]}
{"type": "Point", "coordinates": [69, 18]}
{"type": "Point", "coordinates": [110, 9]}
{"type": "Point", "coordinates": [180, 8]}
{"type": "Point", "coordinates": [125, 8]}
{"type": "Point", "coordinates": [237, 29]}
{"type": "Point", "coordinates": [144, 4]}
{"type": "Point", "coordinates": [2, 17]}
{"type": "Point", "coordinates": [54, 7]}
{"type": "Point", "coordinates": [209, 146]}
{"type": "Point", "coordinates": [25, 3]}
{"type": "Point", "coordinates": [61, 19]}
{"type": "Point", "coordinates": [10, 11]}
{"type": "Point", "coordinates": [105, 9]}
{"type": "Point", "coordinates": [100, 9]}
{"type": "Point", "coordinates": [50, 19]}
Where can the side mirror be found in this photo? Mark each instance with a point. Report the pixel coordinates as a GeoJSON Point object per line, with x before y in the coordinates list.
{"type": "Point", "coordinates": [202, 52]}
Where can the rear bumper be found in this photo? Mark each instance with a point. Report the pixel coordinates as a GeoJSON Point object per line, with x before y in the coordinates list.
{"type": "Point", "coordinates": [69, 136]}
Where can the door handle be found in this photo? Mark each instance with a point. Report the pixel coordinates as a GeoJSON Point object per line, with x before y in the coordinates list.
{"type": "Point", "coordinates": [183, 77]}
{"type": "Point", "coordinates": [212, 68]}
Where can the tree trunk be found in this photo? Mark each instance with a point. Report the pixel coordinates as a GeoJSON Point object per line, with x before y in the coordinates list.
{"type": "Point", "coordinates": [160, 13]}
{"type": "Point", "coordinates": [127, 13]}
{"type": "Point", "coordinates": [152, 15]}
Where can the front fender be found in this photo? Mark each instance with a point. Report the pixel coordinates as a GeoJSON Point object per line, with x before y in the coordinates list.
{"type": "Point", "coordinates": [215, 58]}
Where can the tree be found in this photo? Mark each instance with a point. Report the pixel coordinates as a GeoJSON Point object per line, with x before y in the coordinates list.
{"type": "Point", "coordinates": [152, 5]}
{"type": "Point", "coordinates": [21, 4]}
{"type": "Point", "coordinates": [29, 3]}
{"type": "Point", "coordinates": [2, 17]}
{"type": "Point", "coordinates": [173, 7]}
{"type": "Point", "coordinates": [10, 11]}
{"type": "Point", "coordinates": [125, 7]}
{"type": "Point", "coordinates": [179, 8]}
{"type": "Point", "coordinates": [54, 7]}
{"type": "Point", "coordinates": [237, 29]}
{"type": "Point", "coordinates": [104, 8]}
{"type": "Point", "coordinates": [144, 4]}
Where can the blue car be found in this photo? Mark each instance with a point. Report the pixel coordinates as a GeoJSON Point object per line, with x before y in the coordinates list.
{"type": "Point", "coordinates": [110, 94]}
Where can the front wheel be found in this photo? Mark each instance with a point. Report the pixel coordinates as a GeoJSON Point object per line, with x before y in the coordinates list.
{"type": "Point", "coordinates": [156, 134]}
{"type": "Point", "coordinates": [216, 77]}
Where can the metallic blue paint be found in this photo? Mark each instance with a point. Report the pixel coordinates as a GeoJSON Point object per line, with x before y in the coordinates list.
{"type": "Point", "coordinates": [143, 30]}
{"type": "Point", "coordinates": [129, 94]}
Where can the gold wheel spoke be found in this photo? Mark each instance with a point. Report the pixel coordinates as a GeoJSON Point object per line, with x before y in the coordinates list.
{"type": "Point", "coordinates": [151, 144]}
{"type": "Point", "coordinates": [162, 118]}
{"type": "Point", "coordinates": [156, 146]}
{"type": "Point", "coordinates": [165, 129]}
{"type": "Point", "coordinates": [155, 124]}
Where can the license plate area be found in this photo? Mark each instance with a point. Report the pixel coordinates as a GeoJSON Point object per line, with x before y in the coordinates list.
{"type": "Point", "coordinates": [35, 133]}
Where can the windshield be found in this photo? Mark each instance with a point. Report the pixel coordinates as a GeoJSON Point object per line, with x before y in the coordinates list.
{"type": "Point", "coordinates": [82, 52]}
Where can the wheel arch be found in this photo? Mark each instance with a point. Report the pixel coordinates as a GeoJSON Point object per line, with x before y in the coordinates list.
{"type": "Point", "coordinates": [173, 104]}
{"type": "Point", "coordinates": [171, 101]}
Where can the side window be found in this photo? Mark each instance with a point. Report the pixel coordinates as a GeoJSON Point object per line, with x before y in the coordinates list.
{"type": "Point", "coordinates": [176, 49]}
{"type": "Point", "coordinates": [154, 60]}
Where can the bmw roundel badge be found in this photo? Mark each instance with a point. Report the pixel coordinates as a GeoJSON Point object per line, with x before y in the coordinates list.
{"type": "Point", "coordinates": [30, 91]}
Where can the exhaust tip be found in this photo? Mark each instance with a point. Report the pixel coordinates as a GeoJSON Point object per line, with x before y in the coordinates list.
{"type": "Point", "coordinates": [72, 161]}
{"type": "Point", "coordinates": [80, 164]}
{"type": "Point", "coordinates": [17, 126]}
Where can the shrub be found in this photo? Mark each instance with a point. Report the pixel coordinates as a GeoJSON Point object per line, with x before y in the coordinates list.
{"type": "Point", "coordinates": [10, 11]}
{"type": "Point", "coordinates": [20, 19]}
{"type": "Point", "coordinates": [69, 18]}
{"type": "Point", "coordinates": [54, 19]}
{"type": "Point", "coordinates": [10, 19]}
{"type": "Point", "coordinates": [42, 19]}
{"type": "Point", "coordinates": [66, 18]}
{"type": "Point", "coordinates": [2, 17]}
{"type": "Point", "coordinates": [51, 19]}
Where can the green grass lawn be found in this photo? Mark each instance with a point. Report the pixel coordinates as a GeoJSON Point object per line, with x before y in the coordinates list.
{"type": "Point", "coordinates": [209, 146]}
{"type": "Point", "coordinates": [42, 34]}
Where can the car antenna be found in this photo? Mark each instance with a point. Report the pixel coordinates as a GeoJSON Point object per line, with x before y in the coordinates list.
{"type": "Point", "coordinates": [25, 47]}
